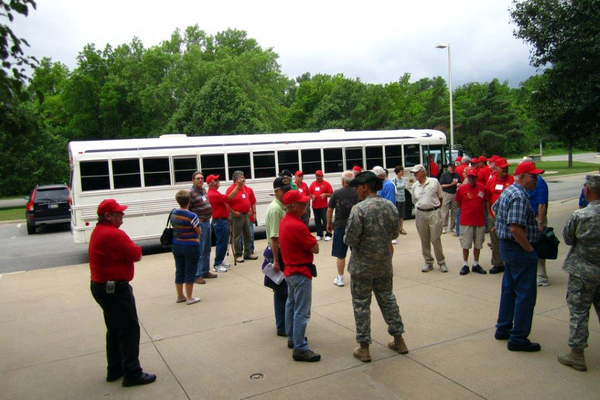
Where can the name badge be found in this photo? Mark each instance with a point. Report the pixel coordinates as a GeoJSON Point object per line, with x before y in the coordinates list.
{"type": "Point", "coordinates": [317, 189]}
{"type": "Point", "coordinates": [243, 196]}
{"type": "Point", "coordinates": [480, 194]}
{"type": "Point", "coordinates": [301, 190]}
{"type": "Point", "coordinates": [499, 186]}
{"type": "Point", "coordinates": [203, 198]}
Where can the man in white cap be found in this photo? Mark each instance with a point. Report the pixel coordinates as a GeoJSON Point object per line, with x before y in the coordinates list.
{"type": "Point", "coordinates": [427, 196]}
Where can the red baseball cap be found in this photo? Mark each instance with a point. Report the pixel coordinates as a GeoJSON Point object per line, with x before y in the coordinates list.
{"type": "Point", "coordinates": [299, 173]}
{"type": "Point", "coordinates": [482, 159]}
{"type": "Point", "coordinates": [474, 160]}
{"type": "Point", "coordinates": [501, 162]}
{"type": "Point", "coordinates": [357, 169]}
{"type": "Point", "coordinates": [294, 196]}
{"type": "Point", "coordinates": [493, 158]}
{"type": "Point", "coordinates": [527, 167]}
{"type": "Point", "coordinates": [110, 205]}
{"type": "Point", "coordinates": [211, 178]}
{"type": "Point", "coordinates": [472, 172]}
{"type": "Point", "coordinates": [319, 172]}
{"type": "Point", "coordinates": [458, 159]}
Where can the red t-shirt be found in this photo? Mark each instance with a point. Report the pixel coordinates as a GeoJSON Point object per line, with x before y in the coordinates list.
{"type": "Point", "coordinates": [460, 171]}
{"type": "Point", "coordinates": [218, 202]}
{"type": "Point", "coordinates": [435, 170]}
{"type": "Point", "coordinates": [494, 188]}
{"type": "Point", "coordinates": [471, 201]}
{"type": "Point", "coordinates": [317, 189]}
{"type": "Point", "coordinates": [295, 242]}
{"type": "Point", "coordinates": [484, 174]}
{"type": "Point", "coordinates": [241, 200]}
{"type": "Point", "coordinates": [112, 254]}
{"type": "Point", "coordinates": [303, 188]}
{"type": "Point", "coordinates": [252, 199]}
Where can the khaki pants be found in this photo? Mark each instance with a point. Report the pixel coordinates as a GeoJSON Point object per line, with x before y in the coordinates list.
{"type": "Point", "coordinates": [429, 226]}
{"type": "Point", "coordinates": [448, 207]}
{"type": "Point", "coordinates": [496, 259]}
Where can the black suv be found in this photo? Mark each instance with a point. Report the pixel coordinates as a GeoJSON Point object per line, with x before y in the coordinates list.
{"type": "Point", "coordinates": [48, 204]}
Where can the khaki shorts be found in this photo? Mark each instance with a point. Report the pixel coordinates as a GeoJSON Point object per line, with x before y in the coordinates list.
{"type": "Point", "coordinates": [472, 234]}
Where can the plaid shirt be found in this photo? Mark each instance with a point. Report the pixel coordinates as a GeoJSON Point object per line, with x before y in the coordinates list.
{"type": "Point", "coordinates": [513, 208]}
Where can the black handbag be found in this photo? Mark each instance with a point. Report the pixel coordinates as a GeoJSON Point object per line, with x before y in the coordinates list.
{"type": "Point", "coordinates": [547, 245]}
{"type": "Point", "coordinates": [166, 239]}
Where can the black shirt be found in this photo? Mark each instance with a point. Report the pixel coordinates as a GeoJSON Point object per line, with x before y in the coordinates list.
{"type": "Point", "coordinates": [447, 178]}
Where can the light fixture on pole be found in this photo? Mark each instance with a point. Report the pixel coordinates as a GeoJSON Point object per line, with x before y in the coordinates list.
{"type": "Point", "coordinates": [444, 46]}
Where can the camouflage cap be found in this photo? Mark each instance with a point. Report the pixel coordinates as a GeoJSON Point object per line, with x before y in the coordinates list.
{"type": "Point", "coordinates": [593, 181]}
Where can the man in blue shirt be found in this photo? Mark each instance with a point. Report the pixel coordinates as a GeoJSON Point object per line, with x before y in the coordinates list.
{"type": "Point", "coordinates": [389, 189]}
{"type": "Point", "coordinates": [538, 198]}
{"type": "Point", "coordinates": [517, 230]}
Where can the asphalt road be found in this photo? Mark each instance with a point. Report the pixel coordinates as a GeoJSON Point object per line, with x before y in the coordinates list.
{"type": "Point", "coordinates": [53, 246]}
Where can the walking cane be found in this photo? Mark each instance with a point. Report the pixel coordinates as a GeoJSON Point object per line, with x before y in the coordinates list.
{"type": "Point", "coordinates": [231, 242]}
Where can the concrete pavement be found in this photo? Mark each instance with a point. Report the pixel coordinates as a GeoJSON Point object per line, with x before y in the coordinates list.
{"type": "Point", "coordinates": [52, 336]}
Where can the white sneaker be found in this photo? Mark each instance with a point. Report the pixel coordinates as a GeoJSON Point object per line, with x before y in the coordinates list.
{"type": "Point", "coordinates": [427, 268]}
{"type": "Point", "coordinates": [319, 238]}
{"type": "Point", "coordinates": [225, 264]}
{"type": "Point", "coordinates": [443, 268]}
{"type": "Point", "coordinates": [542, 282]}
{"type": "Point", "coordinates": [220, 268]}
{"type": "Point", "coordinates": [445, 231]}
{"type": "Point", "coordinates": [394, 241]}
{"type": "Point", "coordinates": [339, 281]}
{"type": "Point", "coordinates": [327, 238]}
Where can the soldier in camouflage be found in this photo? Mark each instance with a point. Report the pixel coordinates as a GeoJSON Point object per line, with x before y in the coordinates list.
{"type": "Point", "coordinates": [583, 265]}
{"type": "Point", "coordinates": [372, 225]}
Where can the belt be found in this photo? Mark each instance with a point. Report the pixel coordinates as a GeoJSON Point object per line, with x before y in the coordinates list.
{"type": "Point", "coordinates": [118, 284]}
{"type": "Point", "coordinates": [218, 219]}
{"type": "Point", "coordinates": [430, 209]}
{"type": "Point", "coordinates": [204, 220]}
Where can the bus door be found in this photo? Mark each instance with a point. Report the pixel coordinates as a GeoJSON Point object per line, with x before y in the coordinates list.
{"type": "Point", "coordinates": [434, 159]}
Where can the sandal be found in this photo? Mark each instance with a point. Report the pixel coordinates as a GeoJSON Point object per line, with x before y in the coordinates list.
{"type": "Point", "coordinates": [403, 232]}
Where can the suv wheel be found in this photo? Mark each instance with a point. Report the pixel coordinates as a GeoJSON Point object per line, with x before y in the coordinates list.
{"type": "Point", "coordinates": [30, 229]}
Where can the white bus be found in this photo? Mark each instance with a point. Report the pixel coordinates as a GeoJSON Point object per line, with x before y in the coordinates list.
{"type": "Point", "coordinates": [145, 174]}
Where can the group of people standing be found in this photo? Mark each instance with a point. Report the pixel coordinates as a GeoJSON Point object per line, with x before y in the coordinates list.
{"type": "Point", "coordinates": [365, 215]}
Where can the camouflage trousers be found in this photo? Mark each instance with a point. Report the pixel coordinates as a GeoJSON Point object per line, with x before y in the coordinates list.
{"type": "Point", "coordinates": [581, 294]}
{"type": "Point", "coordinates": [361, 289]}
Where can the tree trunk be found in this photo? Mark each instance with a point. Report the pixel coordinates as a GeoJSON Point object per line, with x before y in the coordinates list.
{"type": "Point", "coordinates": [570, 157]}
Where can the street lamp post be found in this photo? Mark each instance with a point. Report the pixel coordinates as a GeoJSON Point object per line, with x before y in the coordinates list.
{"type": "Point", "coordinates": [444, 46]}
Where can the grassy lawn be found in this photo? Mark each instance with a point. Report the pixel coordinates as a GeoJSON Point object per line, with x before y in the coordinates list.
{"type": "Point", "coordinates": [561, 167]}
{"type": "Point", "coordinates": [10, 214]}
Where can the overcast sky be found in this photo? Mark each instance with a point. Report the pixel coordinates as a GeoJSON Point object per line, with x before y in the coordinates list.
{"type": "Point", "coordinates": [376, 41]}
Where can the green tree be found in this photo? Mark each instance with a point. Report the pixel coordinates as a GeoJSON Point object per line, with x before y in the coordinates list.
{"type": "Point", "coordinates": [564, 36]}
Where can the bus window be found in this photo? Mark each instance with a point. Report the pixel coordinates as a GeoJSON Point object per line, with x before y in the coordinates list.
{"type": "Point", "coordinates": [411, 155]}
{"type": "Point", "coordinates": [239, 162]}
{"type": "Point", "coordinates": [126, 173]}
{"type": "Point", "coordinates": [184, 168]}
{"type": "Point", "coordinates": [264, 164]}
{"type": "Point", "coordinates": [212, 164]}
{"type": "Point", "coordinates": [156, 171]}
{"type": "Point", "coordinates": [311, 161]}
{"type": "Point", "coordinates": [94, 175]}
{"type": "Point", "coordinates": [393, 156]}
{"type": "Point", "coordinates": [374, 156]}
{"type": "Point", "coordinates": [333, 160]}
{"type": "Point", "coordinates": [354, 157]}
{"type": "Point", "coordinates": [288, 159]}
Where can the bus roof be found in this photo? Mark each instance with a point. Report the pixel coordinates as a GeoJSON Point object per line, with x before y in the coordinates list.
{"type": "Point", "coordinates": [182, 141]}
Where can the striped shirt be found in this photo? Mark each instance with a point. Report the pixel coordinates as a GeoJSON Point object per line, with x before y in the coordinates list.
{"type": "Point", "coordinates": [200, 204]}
{"type": "Point", "coordinates": [183, 223]}
{"type": "Point", "coordinates": [513, 208]}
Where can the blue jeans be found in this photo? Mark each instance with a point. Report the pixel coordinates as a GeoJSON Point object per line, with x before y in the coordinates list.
{"type": "Point", "coordinates": [519, 291]}
{"type": "Point", "coordinates": [279, 302]}
{"type": "Point", "coordinates": [204, 260]}
{"type": "Point", "coordinates": [321, 221]}
{"type": "Point", "coordinates": [297, 309]}
{"type": "Point", "coordinates": [221, 228]}
{"type": "Point", "coordinates": [186, 262]}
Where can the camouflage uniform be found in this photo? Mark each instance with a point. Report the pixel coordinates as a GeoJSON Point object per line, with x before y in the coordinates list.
{"type": "Point", "coordinates": [371, 226]}
{"type": "Point", "coordinates": [583, 265]}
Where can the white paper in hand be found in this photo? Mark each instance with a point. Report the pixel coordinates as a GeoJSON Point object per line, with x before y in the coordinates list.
{"type": "Point", "coordinates": [276, 277]}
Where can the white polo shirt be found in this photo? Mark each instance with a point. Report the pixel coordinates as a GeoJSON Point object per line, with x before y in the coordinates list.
{"type": "Point", "coordinates": [427, 195]}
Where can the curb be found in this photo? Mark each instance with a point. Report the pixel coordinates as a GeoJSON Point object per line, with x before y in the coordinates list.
{"type": "Point", "coordinates": [14, 221]}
